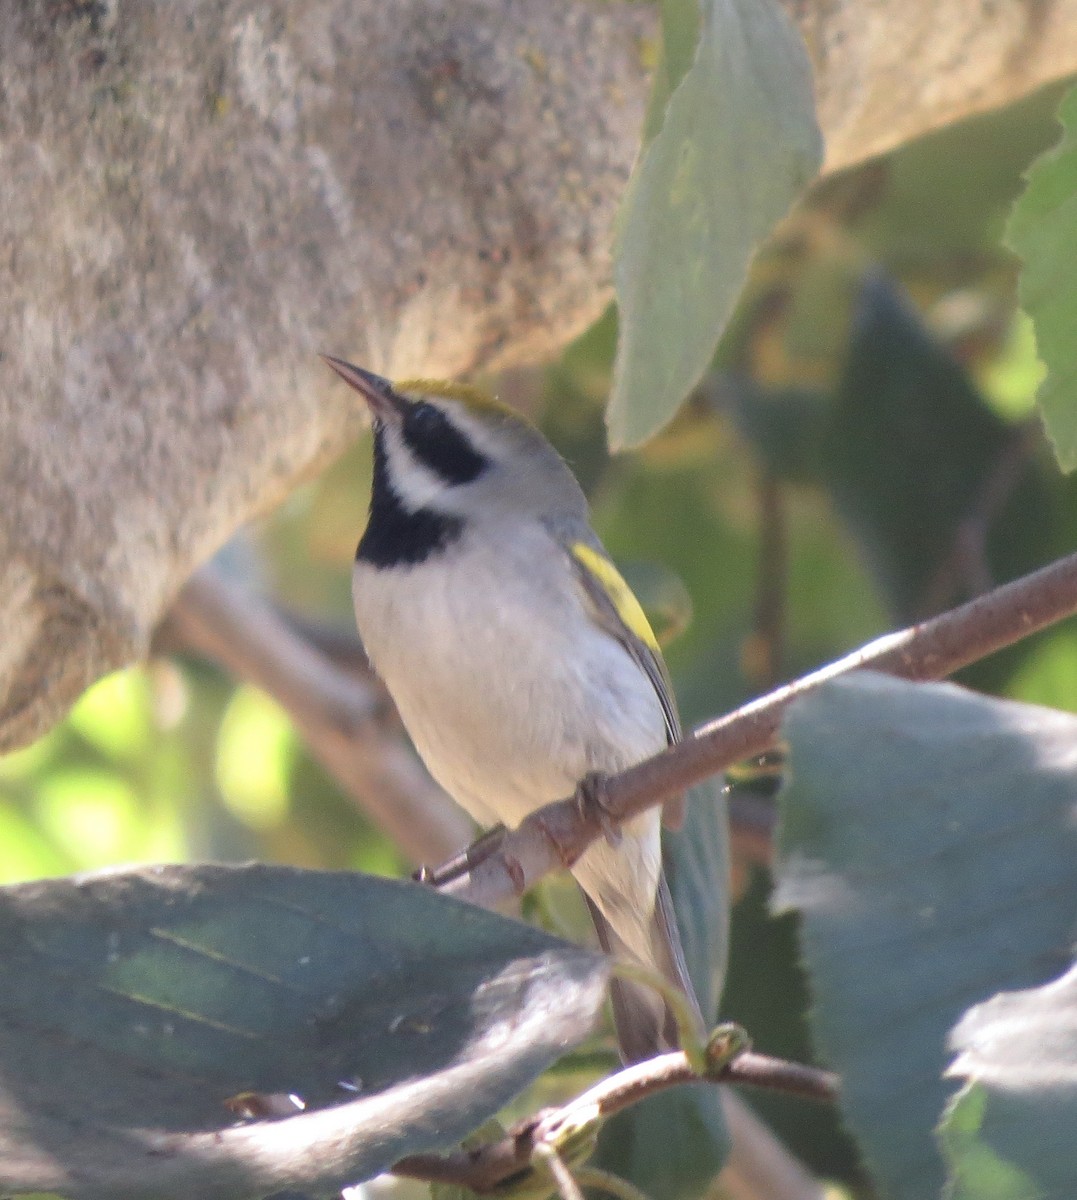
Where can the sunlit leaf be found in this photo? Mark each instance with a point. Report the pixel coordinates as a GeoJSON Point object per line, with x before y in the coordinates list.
{"type": "Point", "coordinates": [1011, 381]}
{"type": "Point", "coordinates": [1048, 674]}
{"type": "Point", "coordinates": [93, 814]}
{"type": "Point", "coordinates": [24, 852]}
{"type": "Point", "coordinates": [737, 145]}
{"type": "Point", "coordinates": [32, 759]}
{"type": "Point", "coordinates": [114, 715]}
{"type": "Point", "coordinates": [254, 756]}
{"type": "Point", "coordinates": [1043, 230]}
{"type": "Point", "coordinates": [1010, 1134]}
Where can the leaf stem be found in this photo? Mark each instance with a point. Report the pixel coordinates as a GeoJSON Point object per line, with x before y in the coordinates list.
{"type": "Point", "coordinates": [487, 1167]}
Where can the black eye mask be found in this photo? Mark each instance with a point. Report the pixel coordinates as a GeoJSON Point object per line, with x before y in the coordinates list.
{"type": "Point", "coordinates": [438, 444]}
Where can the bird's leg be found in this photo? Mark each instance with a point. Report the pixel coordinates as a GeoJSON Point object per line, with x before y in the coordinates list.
{"type": "Point", "coordinates": [591, 802]}
{"type": "Point", "coordinates": [464, 862]}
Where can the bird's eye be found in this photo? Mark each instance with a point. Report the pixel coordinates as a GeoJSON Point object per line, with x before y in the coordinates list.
{"type": "Point", "coordinates": [424, 421]}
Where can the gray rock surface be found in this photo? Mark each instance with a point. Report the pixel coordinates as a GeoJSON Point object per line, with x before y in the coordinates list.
{"type": "Point", "coordinates": [195, 198]}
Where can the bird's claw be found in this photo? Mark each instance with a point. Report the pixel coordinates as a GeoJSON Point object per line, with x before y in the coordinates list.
{"type": "Point", "coordinates": [591, 802]}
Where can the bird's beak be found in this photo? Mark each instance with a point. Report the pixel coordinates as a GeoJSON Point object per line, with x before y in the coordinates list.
{"type": "Point", "coordinates": [384, 403]}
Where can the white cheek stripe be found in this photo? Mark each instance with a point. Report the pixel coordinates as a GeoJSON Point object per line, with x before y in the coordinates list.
{"type": "Point", "coordinates": [416, 485]}
{"type": "Point", "coordinates": [483, 439]}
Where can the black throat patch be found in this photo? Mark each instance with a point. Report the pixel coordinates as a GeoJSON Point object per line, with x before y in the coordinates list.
{"type": "Point", "coordinates": [394, 536]}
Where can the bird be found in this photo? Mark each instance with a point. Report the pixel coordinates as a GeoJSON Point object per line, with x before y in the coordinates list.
{"type": "Point", "coordinates": [518, 658]}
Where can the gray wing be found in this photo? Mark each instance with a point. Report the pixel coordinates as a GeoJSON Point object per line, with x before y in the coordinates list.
{"type": "Point", "coordinates": [605, 613]}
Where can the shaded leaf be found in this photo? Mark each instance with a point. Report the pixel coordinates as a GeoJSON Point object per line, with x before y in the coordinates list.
{"type": "Point", "coordinates": [910, 445]}
{"type": "Point", "coordinates": [928, 840]}
{"type": "Point", "coordinates": [786, 427]}
{"type": "Point", "coordinates": [137, 1004]}
{"type": "Point", "coordinates": [1043, 230]}
{"type": "Point", "coordinates": [767, 993]}
{"type": "Point", "coordinates": [1010, 1133]}
{"type": "Point", "coordinates": [738, 144]}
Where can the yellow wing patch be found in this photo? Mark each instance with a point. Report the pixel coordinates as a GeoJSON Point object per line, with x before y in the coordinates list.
{"type": "Point", "coordinates": [628, 607]}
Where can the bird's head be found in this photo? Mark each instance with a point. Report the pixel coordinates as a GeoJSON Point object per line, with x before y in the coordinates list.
{"type": "Point", "coordinates": [450, 448]}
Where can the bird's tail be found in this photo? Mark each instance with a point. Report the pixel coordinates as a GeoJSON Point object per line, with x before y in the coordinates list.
{"type": "Point", "coordinates": [645, 1024]}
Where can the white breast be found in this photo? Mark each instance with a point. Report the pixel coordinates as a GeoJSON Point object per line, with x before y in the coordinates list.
{"type": "Point", "coordinates": [512, 695]}
{"type": "Point", "coordinates": [509, 692]}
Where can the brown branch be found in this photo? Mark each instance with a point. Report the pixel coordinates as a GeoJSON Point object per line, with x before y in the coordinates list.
{"type": "Point", "coordinates": [556, 835]}
{"type": "Point", "coordinates": [337, 712]}
{"type": "Point", "coordinates": [339, 644]}
{"type": "Point", "coordinates": [488, 1167]}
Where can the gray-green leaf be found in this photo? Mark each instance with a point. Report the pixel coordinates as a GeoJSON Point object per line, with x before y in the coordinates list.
{"type": "Point", "coordinates": [143, 1011]}
{"type": "Point", "coordinates": [738, 144]}
{"type": "Point", "coordinates": [929, 841]}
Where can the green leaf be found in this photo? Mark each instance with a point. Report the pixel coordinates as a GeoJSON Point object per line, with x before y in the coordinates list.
{"type": "Point", "coordinates": [738, 144]}
{"type": "Point", "coordinates": [671, 1145]}
{"type": "Point", "coordinates": [976, 1172]}
{"type": "Point", "coordinates": [1009, 1136]}
{"type": "Point", "coordinates": [910, 446]}
{"type": "Point", "coordinates": [680, 35]}
{"type": "Point", "coordinates": [1042, 229]}
{"type": "Point", "coordinates": [928, 839]}
{"type": "Point", "coordinates": [138, 1005]}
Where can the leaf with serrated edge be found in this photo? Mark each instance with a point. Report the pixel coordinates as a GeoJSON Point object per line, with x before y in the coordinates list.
{"type": "Point", "coordinates": [928, 839]}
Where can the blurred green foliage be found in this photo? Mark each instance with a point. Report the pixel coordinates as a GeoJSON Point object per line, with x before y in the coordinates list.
{"type": "Point", "coordinates": [738, 513]}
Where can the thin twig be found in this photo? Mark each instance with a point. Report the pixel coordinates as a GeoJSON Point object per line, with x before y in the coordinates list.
{"type": "Point", "coordinates": [567, 1187]}
{"type": "Point", "coordinates": [486, 1167]}
{"type": "Point", "coordinates": [557, 834]}
{"type": "Point", "coordinates": [336, 711]}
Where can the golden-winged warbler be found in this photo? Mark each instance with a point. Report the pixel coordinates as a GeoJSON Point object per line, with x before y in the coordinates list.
{"type": "Point", "coordinates": [517, 656]}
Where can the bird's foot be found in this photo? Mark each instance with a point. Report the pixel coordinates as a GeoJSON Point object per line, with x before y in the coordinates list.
{"type": "Point", "coordinates": [591, 803]}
